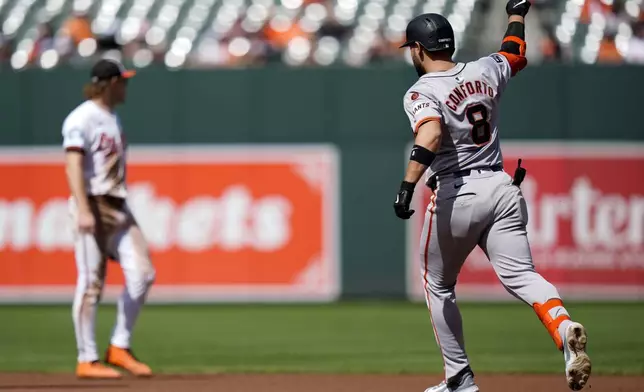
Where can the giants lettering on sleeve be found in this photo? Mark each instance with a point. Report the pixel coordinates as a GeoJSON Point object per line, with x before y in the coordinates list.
{"type": "Point", "coordinates": [419, 106]}
{"type": "Point", "coordinates": [467, 89]}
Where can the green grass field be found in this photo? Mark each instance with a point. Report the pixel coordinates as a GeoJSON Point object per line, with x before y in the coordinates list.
{"type": "Point", "coordinates": [341, 338]}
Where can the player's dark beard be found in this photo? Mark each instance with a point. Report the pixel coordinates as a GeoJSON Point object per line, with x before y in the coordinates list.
{"type": "Point", "coordinates": [419, 66]}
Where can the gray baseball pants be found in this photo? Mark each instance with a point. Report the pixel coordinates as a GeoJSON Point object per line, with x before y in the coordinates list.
{"type": "Point", "coordinates": [483, 209]}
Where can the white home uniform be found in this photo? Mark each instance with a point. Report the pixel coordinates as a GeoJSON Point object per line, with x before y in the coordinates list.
{"type": "Point", "coordinates": [97, 133]}
{"type": "Point", "coordinates": [474, 201]}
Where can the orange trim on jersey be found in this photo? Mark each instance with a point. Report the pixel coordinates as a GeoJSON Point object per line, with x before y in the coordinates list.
{"type": "Point", "coordinates": [75, 149]}
{"type": "Point", "coordinates": [516, 40]}
{"type": "Point", "coordinates": [552, 325]}
{"type": "Point", "coordinates": [431, 209]}
{"type": "Point", "coordinates": [517, 63]}
{"type": "Point", "coordinates": [425, 120]}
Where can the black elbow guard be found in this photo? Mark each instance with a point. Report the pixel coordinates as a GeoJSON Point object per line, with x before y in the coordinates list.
{"type": "Point", "coordinates": [422, 155]}
{"type": "Point", "coordinates": [513, 41]}
{"type": "Point", "coordinates": [511, 47]}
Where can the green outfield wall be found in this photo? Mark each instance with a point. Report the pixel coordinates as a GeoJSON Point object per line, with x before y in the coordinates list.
{"type": "Point", "coordinates": [359, 111]}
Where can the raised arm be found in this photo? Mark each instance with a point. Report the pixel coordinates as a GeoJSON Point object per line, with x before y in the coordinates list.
{"type": "Point", "coordinates": [513, 46]}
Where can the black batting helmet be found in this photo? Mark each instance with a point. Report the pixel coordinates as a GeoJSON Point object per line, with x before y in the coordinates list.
{"type": "Point", "coordinates": [432, 31]}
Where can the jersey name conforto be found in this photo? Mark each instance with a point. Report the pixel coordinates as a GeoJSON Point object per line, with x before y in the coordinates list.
{"type": "Point", "coordinates": [467, 89]}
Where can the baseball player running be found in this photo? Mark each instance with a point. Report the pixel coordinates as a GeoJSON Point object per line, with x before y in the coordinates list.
{"type": "Point", "coordinates": [454, 109]}
{"type": "Point", "coordinates": [104, 226]}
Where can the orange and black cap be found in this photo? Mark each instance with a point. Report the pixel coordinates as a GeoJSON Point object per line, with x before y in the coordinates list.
{"type": "Point", "coordinates": [106, 69]}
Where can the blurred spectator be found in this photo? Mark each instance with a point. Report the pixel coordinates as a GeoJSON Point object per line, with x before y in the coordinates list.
{"type": "Point", "coordinates": [107, 42]}
{"type": "Point", "coordinates": [281, 30]}
{"type": "Point", "coordinates": [136, 49]}
{"type": "Point", "coordinates": [595, 6]}
{"type": "Point", "coordinates": [6, 48]}
{"type": "Point", "coordinates": [78, 27]}
{"type": "Point", "coordinates": [44, 41]}
{"type": "Point", "coordinates": [635, 52]}
{"type": "Point", "coordinates": [332, 28]}
{"type": "Point", "coordinates": [608, 52]}
{"type": "Point", "coordinates": [551, 48]}
{"type": "Point", "coordinates": [278, 33]}
{"type": "Point", "coordinates": [210, 52]}
{"type": "Point", "coordinates": [546, 11]}
{"type": "Point", "coordinates": [385, 51]}
{"type": "Point", "coordinates": [132, 48]}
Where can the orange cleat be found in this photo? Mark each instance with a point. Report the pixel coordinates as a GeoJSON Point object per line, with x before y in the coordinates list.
{"type": "Point", "coordinates": [96, 370]}
{"type": "Point", "coordinates": [123, 358]}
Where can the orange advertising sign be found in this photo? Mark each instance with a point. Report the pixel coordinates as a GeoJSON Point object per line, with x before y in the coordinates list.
{"type": "Point", "coordinates": [229, 223]}
{"type": "Point", "coordinates": [586, 223]}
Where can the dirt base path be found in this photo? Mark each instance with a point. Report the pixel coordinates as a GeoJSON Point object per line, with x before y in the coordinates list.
{"type": "Point", "coordinates": [304, 383]}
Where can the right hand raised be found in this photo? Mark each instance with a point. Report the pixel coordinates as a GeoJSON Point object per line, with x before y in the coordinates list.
{"type": "Point", "coordinates": [86, 222]}
{"type": "Point", "coordinates": [518, 7]}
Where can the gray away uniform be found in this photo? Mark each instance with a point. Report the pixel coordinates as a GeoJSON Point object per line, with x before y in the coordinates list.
{"type": "Point", "coordinates": [474, 201]}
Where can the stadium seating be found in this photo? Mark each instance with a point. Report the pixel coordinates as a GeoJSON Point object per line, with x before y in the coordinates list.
{"type": "Point", "coordinates": [236, 33]}
{"type": "Point", "coordinates": [599, 30]}
{"type": "Point", "coordinates": [215, 33]}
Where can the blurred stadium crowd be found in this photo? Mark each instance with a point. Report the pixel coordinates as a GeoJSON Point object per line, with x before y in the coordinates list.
{"type": "Point", "coordinates": [238, 33]}
{"type": "Point", "coordinates": [595, 31]}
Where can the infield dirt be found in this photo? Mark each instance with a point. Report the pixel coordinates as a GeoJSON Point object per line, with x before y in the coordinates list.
{"type": "Point", "coordinates": [29, 382]}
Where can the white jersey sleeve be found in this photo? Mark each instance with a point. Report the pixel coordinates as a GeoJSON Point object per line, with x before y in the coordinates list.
{"type": "Point", "coordinates": [498, 68]}
{"type": "Point", "coordinates": [75, 131]}
{"type": "Point", "coordinates": [421, 108]}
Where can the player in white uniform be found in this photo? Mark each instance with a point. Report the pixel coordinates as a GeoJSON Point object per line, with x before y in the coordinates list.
{"type": "Point", "coordinates": [453, 110]}
{"type": "Point", "coordinates": [104, 227]}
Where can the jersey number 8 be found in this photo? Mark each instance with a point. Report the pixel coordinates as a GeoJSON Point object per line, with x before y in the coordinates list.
{"type": "Point", "coordinates": [477, 115]}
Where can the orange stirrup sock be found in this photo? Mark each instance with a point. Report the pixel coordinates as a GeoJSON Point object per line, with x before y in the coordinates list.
{"type": "Point", "coordinates": [551, 324]}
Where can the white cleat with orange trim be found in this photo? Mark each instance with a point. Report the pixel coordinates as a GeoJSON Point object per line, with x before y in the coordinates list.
{"type": "Point", "coordinates": [578, 364]}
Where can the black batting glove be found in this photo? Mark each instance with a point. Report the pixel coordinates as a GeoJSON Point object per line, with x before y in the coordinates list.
{"type": "Point", "coordinates": [518, 7]}
{"type": "Point", "coordinates": [403, 200]}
